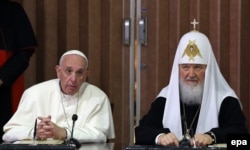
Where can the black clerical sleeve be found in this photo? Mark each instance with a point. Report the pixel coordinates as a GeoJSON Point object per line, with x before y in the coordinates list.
{"type": "Point", "coordinates": [151, 123]}
{"type": "Point", "coordinates": [231, 120]}
{"type": "Point", "coordinates": [15, 66]}
{"type": "Point", "coordinates": [16, 37]}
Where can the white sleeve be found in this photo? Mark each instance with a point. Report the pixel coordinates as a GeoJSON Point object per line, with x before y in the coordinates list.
{"type": "Point", "coordinates": [156, 139]}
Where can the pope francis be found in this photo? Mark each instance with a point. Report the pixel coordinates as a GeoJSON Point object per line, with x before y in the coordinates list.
{"type": "Point", "coordinates": [53, 103]}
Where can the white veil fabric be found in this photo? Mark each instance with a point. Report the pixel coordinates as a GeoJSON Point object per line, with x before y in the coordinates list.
{"type": "Point", "coordinates": [215, 86]}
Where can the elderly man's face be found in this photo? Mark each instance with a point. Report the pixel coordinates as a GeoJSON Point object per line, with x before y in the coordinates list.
{"type": "Point", "coordinates": [72, 72]}
{"type": "Point", "coordinates": [192, 74]}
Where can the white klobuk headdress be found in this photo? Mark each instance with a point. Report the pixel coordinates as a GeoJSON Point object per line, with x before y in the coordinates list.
{"type": "Point", "coordinates": [195, 48]}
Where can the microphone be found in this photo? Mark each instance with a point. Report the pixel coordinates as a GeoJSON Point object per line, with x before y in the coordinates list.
{"type": "Point", "coordinates": [185, 140]}
{"type": "Point", "coordinates": [73, 140]}
{"type": "Point", "coordinates": [184, 123]}
{"type": "Point", "coordinates": [74, 118]}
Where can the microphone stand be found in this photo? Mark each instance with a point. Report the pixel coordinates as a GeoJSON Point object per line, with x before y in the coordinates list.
{"type": "Point", "coordinates": [184, 142]}
{"type": "Point", "coordinates": [74, 118]}
{"type": "Point", "coordinates": [73, 140]}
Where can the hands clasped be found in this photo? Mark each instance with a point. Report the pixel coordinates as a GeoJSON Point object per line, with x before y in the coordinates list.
{"type": "Point", "coordinates": [199, 140]}
{"type": "Point", "coordinates": [47, 129]}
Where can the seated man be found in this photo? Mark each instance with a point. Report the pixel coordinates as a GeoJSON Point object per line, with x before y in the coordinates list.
{"type": "Point", "coordinates": [54, 102]}
{"type": "Point", "coordinates": [198, 107]}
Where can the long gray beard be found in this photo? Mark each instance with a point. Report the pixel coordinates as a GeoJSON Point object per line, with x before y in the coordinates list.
{"type": "Point", "coordinates": [191, 94]}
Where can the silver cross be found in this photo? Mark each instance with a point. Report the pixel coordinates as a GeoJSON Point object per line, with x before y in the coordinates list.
{"type": "Point", "coordinates": [194, 23]}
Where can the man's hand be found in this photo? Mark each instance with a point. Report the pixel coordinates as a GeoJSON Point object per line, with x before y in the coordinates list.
{"type": "Point", "coordinates": [168, 139]}
{"type": "Point", "coordinates": [47, 129]}
{"type": "Point", "coordinates": [201, 140]}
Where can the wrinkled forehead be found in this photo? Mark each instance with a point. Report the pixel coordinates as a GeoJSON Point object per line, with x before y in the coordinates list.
{"type": "Point", "coordinates": [193, 48]}
{"type": "Point", "coordinates": [194, 66]}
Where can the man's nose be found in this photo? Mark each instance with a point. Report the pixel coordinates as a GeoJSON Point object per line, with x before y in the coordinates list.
{"type": "Point", "coordinates": [191, 72]}
{"type": "Point", "coordinates": [73, 77]}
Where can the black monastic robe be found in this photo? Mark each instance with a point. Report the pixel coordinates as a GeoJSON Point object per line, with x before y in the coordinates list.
{"type": "Point", "coordinates": [231, 120]}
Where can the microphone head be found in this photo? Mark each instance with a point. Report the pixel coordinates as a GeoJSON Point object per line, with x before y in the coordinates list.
{"type": "Point", "coordinates": [74, 117]}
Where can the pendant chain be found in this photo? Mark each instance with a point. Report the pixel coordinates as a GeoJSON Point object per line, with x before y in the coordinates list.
{"type": "Point", "coordinates": [184, 112]}
{"type": "Point", "coordinates": [65, 114]}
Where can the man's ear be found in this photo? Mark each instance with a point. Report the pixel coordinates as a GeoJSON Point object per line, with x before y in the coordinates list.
{"type": "Point", "coordinates": [57, 68]}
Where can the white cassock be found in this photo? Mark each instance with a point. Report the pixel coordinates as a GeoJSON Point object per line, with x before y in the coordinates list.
{"type": "Point", "coordinates": [94, 123]}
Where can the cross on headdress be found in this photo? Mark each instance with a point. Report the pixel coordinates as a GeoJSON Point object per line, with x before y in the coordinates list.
{"type": "Point", "coordinates": [194, 23]}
